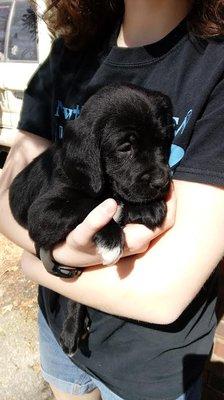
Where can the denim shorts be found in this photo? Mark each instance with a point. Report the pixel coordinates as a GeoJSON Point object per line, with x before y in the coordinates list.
{"type": "Point", "coordinates": [59, 371]}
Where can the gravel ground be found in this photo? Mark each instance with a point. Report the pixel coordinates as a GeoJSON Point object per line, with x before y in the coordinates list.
{"type": "Point", "coordinates": [20, 376]}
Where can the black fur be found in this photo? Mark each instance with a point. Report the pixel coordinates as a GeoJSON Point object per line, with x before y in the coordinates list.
{"type": "Point", "coordinates": [119, 147]}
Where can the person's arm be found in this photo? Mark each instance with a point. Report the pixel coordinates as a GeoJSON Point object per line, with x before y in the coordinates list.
{"type": "Point", "coordinates": [158, 285]}
{"type": "Point", "coordinates": [26, 147]}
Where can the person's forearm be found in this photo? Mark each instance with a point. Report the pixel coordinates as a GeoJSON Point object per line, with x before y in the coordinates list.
{"type": "Point", "coordinates": [158, 285]}
{"type": "Point", "coordinates": [109, 289]}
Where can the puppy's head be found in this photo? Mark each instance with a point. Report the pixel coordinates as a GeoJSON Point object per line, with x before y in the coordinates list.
{"type": "Point", "coordinates": [136, 144]}
{"type": "Point", "coordinates": [123, 136]}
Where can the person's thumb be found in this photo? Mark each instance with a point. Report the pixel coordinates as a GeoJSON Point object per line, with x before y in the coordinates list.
{"type": "Point", "coordinates": [82, 235]}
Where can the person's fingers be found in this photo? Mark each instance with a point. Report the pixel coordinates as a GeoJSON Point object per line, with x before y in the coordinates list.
{"type": "Point", "coordinates": [137, 238]}
{"type": "Point", "coordinates": [95, 220]}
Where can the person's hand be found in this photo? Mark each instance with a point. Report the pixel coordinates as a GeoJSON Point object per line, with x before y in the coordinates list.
{"type": "Point", "coordinates": [79, 249]}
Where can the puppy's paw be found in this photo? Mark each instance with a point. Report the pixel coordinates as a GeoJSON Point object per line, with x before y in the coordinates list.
{"type": "Point", "coordinates": [110, 243]}
{"type": "Point", "coordinates": [156, 215]}
{"type": "Point", "coordinates": [109, 256]}
{"type": "Point", "coordinates": [151, 215]}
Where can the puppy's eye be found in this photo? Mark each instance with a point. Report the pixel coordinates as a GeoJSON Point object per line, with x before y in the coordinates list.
{"type": "Point", "coordinates": [125, 147]}
{"type": "Point", "coordinates": [128, 145]}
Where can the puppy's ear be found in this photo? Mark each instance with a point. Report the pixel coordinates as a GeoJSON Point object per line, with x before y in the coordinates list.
{"type": "Point", "coordinates": [164, 114]}
{"type": "Point", "coordinates": [81, 155]}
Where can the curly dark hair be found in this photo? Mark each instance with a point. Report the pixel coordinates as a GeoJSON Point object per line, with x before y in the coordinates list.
{"type": "Point", "coordinates": [81, 21]}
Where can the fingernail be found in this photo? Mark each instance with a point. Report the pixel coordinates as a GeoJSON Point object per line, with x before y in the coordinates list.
{"type": "Point", "coordinates": [109, 205]}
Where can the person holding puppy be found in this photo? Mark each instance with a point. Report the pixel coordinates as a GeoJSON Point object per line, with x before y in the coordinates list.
{"type": "Point", "coordinates": [152, 314]}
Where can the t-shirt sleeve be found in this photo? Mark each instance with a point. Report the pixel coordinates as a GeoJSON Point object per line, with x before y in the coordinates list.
{"type": "Point", "coordinates": [35, 115]}
{"type": "Point", "coordinates": [204, 158]}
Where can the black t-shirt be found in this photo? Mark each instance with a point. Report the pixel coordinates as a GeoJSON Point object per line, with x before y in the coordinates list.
{"type": "Point", "coordinates": [140, 361]}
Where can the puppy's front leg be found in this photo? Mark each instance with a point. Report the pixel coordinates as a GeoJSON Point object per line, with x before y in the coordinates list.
{"type": "Point", "coordinates": [110, 242]}
{"type": "Point", "coordinates": [151, 215]}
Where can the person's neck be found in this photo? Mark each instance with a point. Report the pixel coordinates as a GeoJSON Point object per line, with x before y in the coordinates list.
{"type": "Point", "coordinates": [148, 21]}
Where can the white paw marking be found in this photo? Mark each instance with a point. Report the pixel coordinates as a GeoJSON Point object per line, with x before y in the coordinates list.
{"type": "Point", "coordinates": [109, 256]}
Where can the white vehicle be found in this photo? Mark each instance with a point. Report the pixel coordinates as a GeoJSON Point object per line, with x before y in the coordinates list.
{"type": "Point", "coordinates": [24, 44]}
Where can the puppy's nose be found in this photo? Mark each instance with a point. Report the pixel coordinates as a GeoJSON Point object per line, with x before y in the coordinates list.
{"type": "Point", "coordinates": [158, 184]}
{"type": "Point", "coordinates": [161, 182]}
{"type": "Point", "coordinates": [155, 179]}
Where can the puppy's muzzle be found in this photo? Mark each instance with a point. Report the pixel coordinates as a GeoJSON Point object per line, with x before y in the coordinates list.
{"type": "Point", "coordinates": [156, 179]}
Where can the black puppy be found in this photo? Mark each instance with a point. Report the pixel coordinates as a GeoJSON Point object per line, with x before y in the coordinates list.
{"type": "Point", "coordinates": [119, 147]}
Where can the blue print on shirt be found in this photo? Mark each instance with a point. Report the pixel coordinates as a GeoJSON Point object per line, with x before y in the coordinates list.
{"type": "Point", "coordinates": [67, 113]}
{"type": "Point", "coordinates": [177, 152]}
